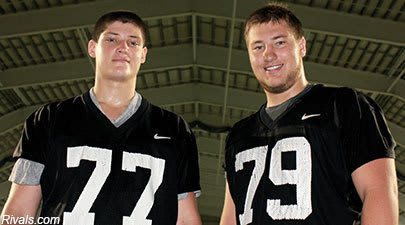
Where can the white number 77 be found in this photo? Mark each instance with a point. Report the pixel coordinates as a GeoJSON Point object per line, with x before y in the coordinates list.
{"type": "Point", "coordinates": [80, 213]}
{"type": "Point", "coordinates": [301, 177]}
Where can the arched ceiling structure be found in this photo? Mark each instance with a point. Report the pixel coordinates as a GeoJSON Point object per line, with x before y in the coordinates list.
{"type": "Point", "coordinates": [197, 65]}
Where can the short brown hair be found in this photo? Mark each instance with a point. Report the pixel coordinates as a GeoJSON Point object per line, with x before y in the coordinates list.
{"type": "Point", "coordinates": [274, 12]}
{"type": "Point", "coordinates": [121, 16]}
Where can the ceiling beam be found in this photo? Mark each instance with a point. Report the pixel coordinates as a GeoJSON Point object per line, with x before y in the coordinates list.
{"type": "Point", "coordinates": [208, 55]}
{"type": "Point", "coordinates": [4, 189]}
{"type": "Point", "coordinates": [85, 14]}
{"type": "Point", "coordinates": [15, 118]}
{"type": "Point", "coordinates": [315, 72]}
{"type": "Point", "coordinates": [314, 19]}
{"type": "Point", "coordinates": [44, 73]}
{"type": "Point", "coordinates": [205, 93]}
{"type": "Point", "coordinates": [339, 76]}
{"type": "Point", "coordinates": [82, 68]}
{"type": "Point", "coordinates": [319, 20]}
{"type": "Point", "coordinates": [228, 67]}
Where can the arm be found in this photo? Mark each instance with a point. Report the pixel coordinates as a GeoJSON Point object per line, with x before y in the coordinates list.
{"type": "Point", "coordinates": [376, 185]}
{"type": "Point", "coordinates": [23, 200]}
{"type": "Point", "coordinates": [188, 212]}
{"type": "Point", "coordinates": [228, 216]}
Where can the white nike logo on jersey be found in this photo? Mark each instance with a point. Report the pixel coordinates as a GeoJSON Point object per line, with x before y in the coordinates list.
{"type": "Point", "coordinates": [305, 116]}
{"type": "Point", "coordinates": [160, 137]}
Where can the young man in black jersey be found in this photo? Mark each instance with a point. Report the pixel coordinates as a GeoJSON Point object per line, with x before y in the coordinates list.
{"type": "Point", "coordinates": [107, 156]}
{"type": "Point", "coordinates": [312, 154]}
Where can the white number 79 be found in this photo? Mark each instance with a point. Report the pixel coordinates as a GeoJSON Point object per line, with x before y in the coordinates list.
{"type": "Point", "coordinates": [301, 177]}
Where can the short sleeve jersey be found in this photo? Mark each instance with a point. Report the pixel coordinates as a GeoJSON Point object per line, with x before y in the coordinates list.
{"type": "Point", "coordinates": [297, 168]}
{"type": "Point", "coordinates": [96, 173]}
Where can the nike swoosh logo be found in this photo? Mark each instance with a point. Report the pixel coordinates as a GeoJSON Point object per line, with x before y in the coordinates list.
{"type": "Point", "coordinates": [305, 116]}
{"type": "Point", "coordinates": [161, 137]}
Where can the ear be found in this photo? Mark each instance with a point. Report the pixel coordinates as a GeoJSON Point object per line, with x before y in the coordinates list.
{"type": "Point", "coordinates": [144, 52]}
{"type": "Point", "coordinates": [303, 47]}
{"type": "Point", "coordinates": [91, 48]}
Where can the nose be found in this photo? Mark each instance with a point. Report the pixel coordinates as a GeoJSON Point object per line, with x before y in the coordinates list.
{"type": "Point", "coordinates": [269, 54]}
{"type": "Point", "coordinates": [122, 47]}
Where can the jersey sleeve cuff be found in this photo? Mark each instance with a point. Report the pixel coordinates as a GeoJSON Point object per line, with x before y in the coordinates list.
{"type": "Point", "coordinates": [26, 172]}
{"type": "Point", "coordinates": [184, 195]}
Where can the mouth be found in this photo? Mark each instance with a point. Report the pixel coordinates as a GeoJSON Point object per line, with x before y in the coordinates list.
{"type": "Point", "coordinates": [121, 60]}
{"type": "Point", "coordinates": [273, 68]}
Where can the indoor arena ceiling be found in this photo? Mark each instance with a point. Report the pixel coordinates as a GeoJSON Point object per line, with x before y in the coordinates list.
{"type": "Point", "coordinates": [197, 66]}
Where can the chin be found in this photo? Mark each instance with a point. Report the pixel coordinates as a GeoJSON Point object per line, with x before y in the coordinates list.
{"type": "Point", "coordinates": [275, 88]}
{"type": "Point", "coordinates": [115, 76]}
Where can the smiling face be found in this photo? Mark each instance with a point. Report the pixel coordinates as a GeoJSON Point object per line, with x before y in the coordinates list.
{"type": "Point", "coordinates": [119, 52]}
{"type": "Point", "coordinates": [276, 56]}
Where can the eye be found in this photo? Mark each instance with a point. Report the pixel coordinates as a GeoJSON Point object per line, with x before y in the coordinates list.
{"type": "Point", "coordinates": [110, 40]}
{"type": "Point", "coordinates": [280, 43]}
{"type": "Point", "coordinates": [258, 47]}
{"type": "Point", "coordinates": [133, 43]}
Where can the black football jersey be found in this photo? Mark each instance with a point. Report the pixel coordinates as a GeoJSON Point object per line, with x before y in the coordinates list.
{"type": "Point", "coordinates": [96, 173]}
{"type": "Point", "coordinates": [297, 169]}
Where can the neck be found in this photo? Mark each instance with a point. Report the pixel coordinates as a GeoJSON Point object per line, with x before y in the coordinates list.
{"type": "Point", "coordinates": [274, 99]}
{"type": "Point", "coordinates": [114, 93]}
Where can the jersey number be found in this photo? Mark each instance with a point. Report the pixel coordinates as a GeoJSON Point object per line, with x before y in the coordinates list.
{"type": "Point", "coordinates": [80, 213]}
{"type": "Point", "coordinates": [301, 177]}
